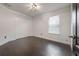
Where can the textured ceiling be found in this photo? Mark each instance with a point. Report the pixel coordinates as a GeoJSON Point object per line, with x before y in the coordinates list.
{"type": "Point", "coordinates": [44, 8]}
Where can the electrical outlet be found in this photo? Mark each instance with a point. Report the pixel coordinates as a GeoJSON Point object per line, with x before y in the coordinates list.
{"type": "Point", "coordinates": [41, 33]}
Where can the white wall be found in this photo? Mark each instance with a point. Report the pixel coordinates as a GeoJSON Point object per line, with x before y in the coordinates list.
{"type": "Point", "coordinates": [13, 25]}
{"type": "Point", "coordinates": [40, 25]}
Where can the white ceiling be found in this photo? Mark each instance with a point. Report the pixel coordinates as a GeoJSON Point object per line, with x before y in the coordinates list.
{"type": "Point", "coordinates": [44, 8]}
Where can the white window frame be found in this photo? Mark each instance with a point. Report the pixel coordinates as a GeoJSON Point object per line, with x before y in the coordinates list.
{"type": "Point", "coordinates": [53, 18]}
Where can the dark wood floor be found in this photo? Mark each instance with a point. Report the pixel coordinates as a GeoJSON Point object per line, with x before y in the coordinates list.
{"type": "Point", "coordinates": [34, 46]}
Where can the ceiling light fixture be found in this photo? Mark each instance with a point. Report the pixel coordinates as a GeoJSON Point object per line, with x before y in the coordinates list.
{"type": "Point", "coordinates": [35, 6]}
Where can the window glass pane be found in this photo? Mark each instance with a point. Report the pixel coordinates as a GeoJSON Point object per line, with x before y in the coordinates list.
{"type": "Point", "coordinates": [54, 25]}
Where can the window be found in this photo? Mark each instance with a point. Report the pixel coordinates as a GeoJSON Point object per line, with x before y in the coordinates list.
{"type": "Point", "coordinates": [54, 23]}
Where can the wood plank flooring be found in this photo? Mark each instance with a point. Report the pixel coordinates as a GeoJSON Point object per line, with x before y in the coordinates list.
{"type": "Point", "coordinates": [34, 46]}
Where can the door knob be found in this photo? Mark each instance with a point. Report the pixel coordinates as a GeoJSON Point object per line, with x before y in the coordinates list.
{"type": "Point", "coordinates": [72, 37]}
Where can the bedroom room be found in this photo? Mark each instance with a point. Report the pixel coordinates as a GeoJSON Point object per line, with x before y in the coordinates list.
{"type": "Point", "coordinates": [36, 29]}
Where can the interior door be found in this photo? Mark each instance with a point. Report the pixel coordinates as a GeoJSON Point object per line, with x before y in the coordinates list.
{"type": "Point", "coordinates": [74, 25]}
{"type": "Point", "coordinates": [75, 28]}
{"type": "Point", "coordinates": [77, 23]}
